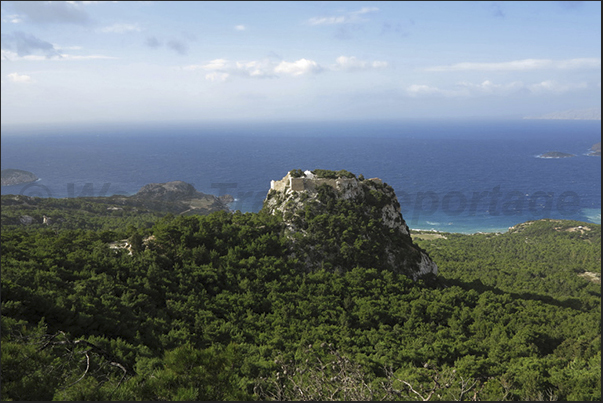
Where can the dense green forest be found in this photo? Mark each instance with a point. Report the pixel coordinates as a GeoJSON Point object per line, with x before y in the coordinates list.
{"type": "Point", "coordinates": [216, 307]}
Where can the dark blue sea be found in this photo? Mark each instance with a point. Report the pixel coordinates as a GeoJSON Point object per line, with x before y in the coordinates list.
{"type": "Point", "coordinates": [449, 175]}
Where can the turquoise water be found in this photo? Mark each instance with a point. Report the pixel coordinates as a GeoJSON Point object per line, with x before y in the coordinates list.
{"type": "Point", "coordinates": [592, 215]}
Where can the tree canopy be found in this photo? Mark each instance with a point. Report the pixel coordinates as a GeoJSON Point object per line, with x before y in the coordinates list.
{"type": "Point", "coordinates": [218, 307]}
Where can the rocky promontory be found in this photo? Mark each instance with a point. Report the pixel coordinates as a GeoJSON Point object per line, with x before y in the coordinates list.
{"type": "Point", "coordinates": [153, 200]}
{"type": "Point", "coordinates": [181, 196]}
{"type": "Point", "coordinates": [595, 150]}
{"type": "Point", "coordinates": [556, 154]}
{"type": "Point", "coordinates": [334, 216]}
{"type": "Point", "coordinates": [11, 177]}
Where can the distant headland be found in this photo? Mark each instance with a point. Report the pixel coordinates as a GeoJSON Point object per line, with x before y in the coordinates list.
{"type": "Point", "coordinates": [595, 150]}
{"type": "Point", "coordinates": [556, 154]}
{"type": "Point", "coordinates": [12, 177]}
{"type": "Point", "coordinates": [572, 114]}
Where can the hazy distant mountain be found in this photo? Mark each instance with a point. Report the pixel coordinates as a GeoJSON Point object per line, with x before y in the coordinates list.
{"type": "Point", "coordinates": [585, 114]}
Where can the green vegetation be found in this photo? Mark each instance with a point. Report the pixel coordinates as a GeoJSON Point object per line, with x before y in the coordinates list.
{"type": "Point", "coordinates": [327, 174]}
{"type": "Point", "coordinates": [338, 234]}
{"type": "Point", "coordinates": [296, 173]}
{"type": "Point", "coordinates": [225, 307]}
{"type": "Point", "coordinates": [84, 213]}
{"type": "Point", "coordinates": [323, 174]}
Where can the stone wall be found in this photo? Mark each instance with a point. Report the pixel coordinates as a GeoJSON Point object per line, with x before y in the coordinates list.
{"type": "Point", "coordinates": [297, 184]}
{"type": "Point", "coordinates": [280, 186]}
{"type": "Point", "coordinates": [302, 184]}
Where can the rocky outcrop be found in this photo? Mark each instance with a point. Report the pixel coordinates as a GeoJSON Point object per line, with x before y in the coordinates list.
{"type": "Point", "coordinates": [11, 177]}
{"type": "Point", "coordinates": [346, 221]}
{"type": "Point", "coordinates": [556, 154]}
{"type": "Point", "coordinates": [595, 150]}
{"type": "Point", "coordinates": [176, 190]}
{"type": "Point", "coordinates": [27, 220]}
{"type": "Point", "coordinates": [179, 197]}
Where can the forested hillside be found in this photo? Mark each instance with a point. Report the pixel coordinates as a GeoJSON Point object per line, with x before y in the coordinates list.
{"type": "Point", "coordinates": [217, 307]}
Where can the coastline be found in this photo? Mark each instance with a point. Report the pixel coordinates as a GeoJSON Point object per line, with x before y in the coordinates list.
{"type": "Point", "coordinates": [586, 215]}
{"type": "Point", "coordinates": [470, 232]}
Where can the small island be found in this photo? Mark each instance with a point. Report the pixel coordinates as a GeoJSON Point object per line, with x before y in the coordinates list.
{"type": "Point", "coordinates": [12, 177]}
{"type": "Point", "coordinates": [556, 154]}
{"type": "Point", "coordinates": [595, 150]}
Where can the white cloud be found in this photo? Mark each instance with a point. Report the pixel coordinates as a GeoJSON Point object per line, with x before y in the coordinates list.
{"type": "Point", "coordinates": [216, 64]}
{"type": "Point", "coordinates": [10, 56]}
{"type": "Point", "coordinates": [365, 10]}
{"type": "Point", "coordinates": [240, 27]}
{"type": "Point", "coordinates": [422, 89]}
{"type": "Point", "coordinates": [352, 63]}
{"type": "Point", "coordinates": [349, 63]}
{"type": "Point", "coordinates": [256, 68]}
{"type": "Point", "coordinates": [85, 57]}
{"type": "Point", "coordinates": [216, 76]}
{"type": "Point", "coordinates": [7, 55]}
{"type": "Point", "coordinates": [553, 86]}
{"type": "Point", "coordinates": [268, 68]}
{"type": "Point", "coordinates": [14, 19]}
{"type": "Point", "coordinates": [298, 68]}
{"type": "Point", "coordinates": [488, 87]}
{"type": "Point", "coordinates": [19, 78]}
{"type": "Point", "coordinates": [120, 28]}
{"type": "Point", "coordinates": [522, 65]}
{"type": "Point", "coordinates": [584, 63]}
{"type": "Point", "coordinates": [379, 64]}
{"type": "Point", "coordinates": [353, 16]}
{"type": "Point", "coordinates": [67, 47]}
{"type": "Point", "coordinates": [328, 20]}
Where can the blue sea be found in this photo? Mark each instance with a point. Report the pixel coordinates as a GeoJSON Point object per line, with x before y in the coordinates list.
{"type": "Point", "coordinates": [462, 176]}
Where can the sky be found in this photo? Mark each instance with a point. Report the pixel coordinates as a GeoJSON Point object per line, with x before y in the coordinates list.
{"type": "Point", "coordinates": [153, 61]}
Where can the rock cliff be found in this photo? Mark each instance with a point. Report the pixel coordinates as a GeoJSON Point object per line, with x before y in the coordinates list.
{"type": "Point", "coordinates": [338, 221]}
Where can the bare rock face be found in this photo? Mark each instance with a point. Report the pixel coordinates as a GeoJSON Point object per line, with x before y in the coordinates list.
{"type": "Point", "coordinates": [337, 217]}
{"type": "Point", "coordinates": [27, 220]}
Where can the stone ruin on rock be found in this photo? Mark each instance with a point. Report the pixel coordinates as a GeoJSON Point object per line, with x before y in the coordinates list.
{"type": "Point", "coordinates": [292, 195]}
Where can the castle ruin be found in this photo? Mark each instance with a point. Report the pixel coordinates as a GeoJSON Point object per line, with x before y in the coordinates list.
{"type": "Point", "coordinates": [310, 182]}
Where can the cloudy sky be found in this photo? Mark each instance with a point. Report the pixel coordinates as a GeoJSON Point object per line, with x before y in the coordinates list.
{"type": "Point", "coordinates": [89, 61]}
